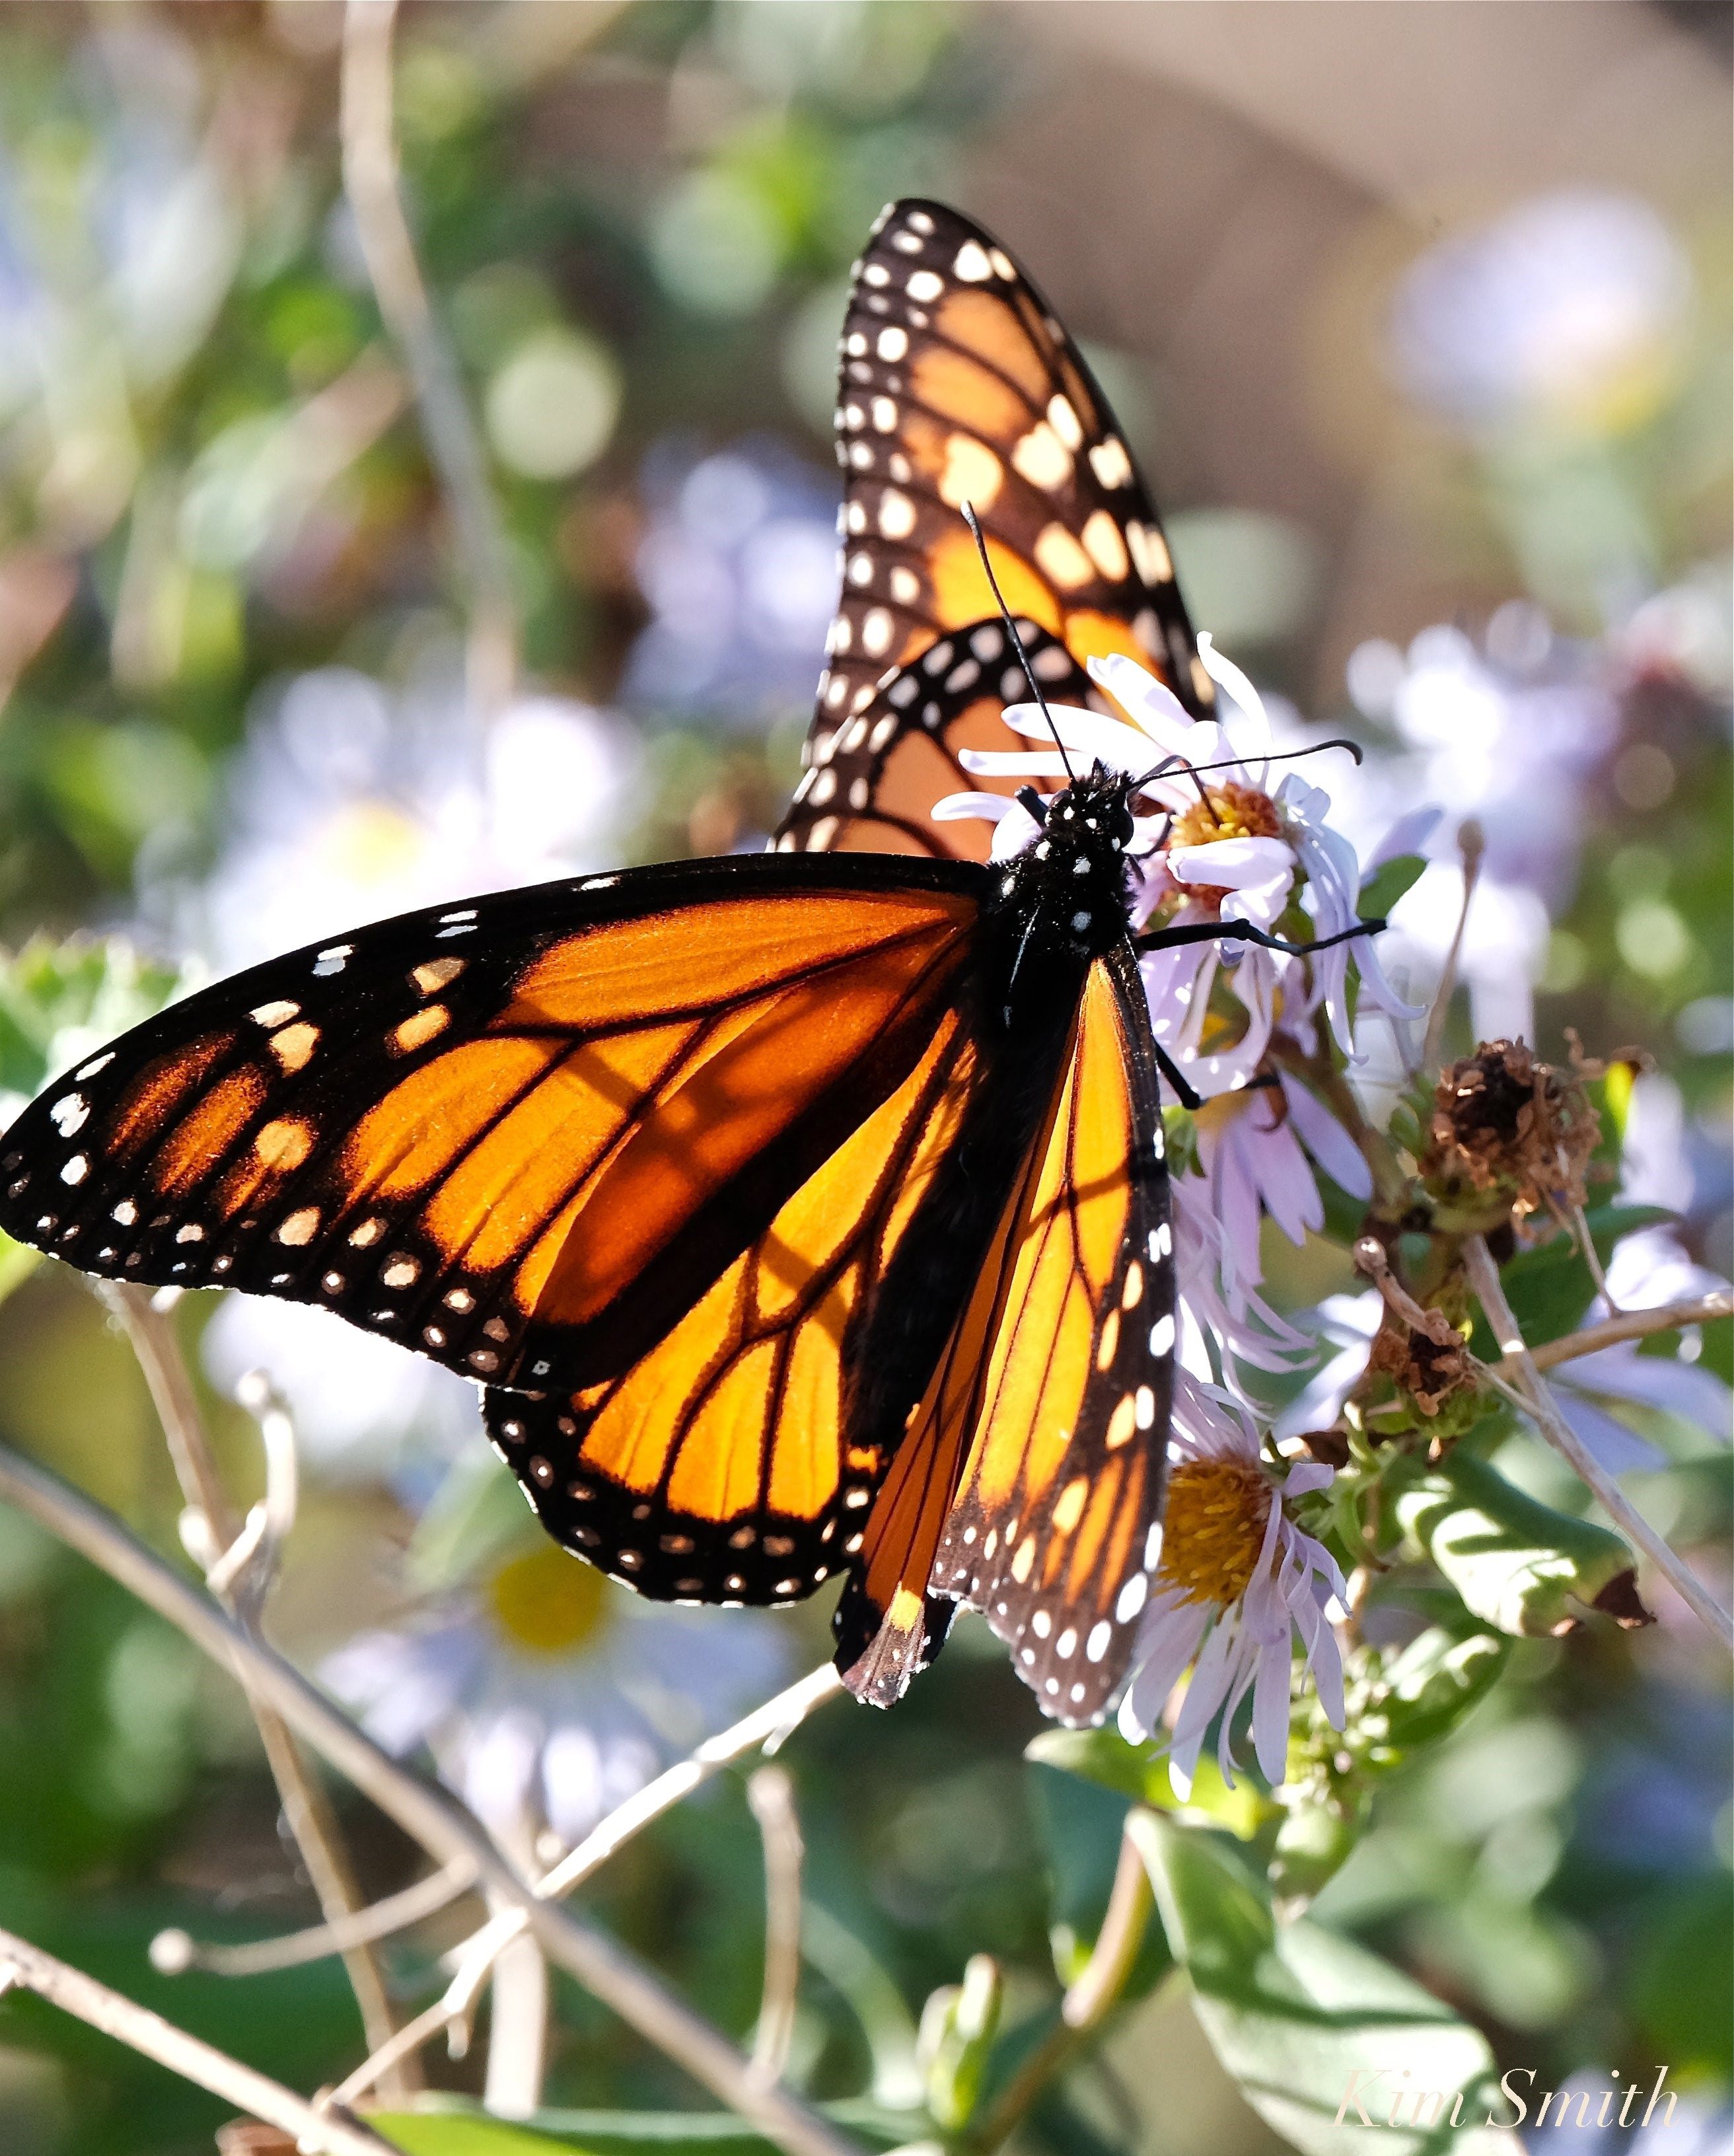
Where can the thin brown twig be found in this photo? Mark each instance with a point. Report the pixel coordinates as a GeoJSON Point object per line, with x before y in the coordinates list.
{"type": "Point", "coordinates": [771, 1795]}
{"type": "Point", "coordinates": [372, 182]}
{"type": "Point", "coordinates": [1371, 1259]}
{"type": "Point", "coordinates": [1531, 1394]}
{"type": "Point", "coordinates": [195, 2061]}
{"type": "Point", "coordinates": [765, 1728]}
{"type": "Point", "coordinates": [1086, 2004]}
{"type": "Point", "coordinates": [427, 1813]}
{"type": "Point", "coordinates": [433, 2021]}
{"type": "Point", "coordinates": [1472, 845]}
{"type": "Point", "coordinates": [1629, 1325]}
{"type": "Point", "coordinates": [173, 1951]}
{"type": "Point", "coordinates": [307, 1809]}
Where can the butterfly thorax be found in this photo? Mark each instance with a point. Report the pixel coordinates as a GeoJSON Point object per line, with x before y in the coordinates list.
{"type": "Point", "coordinates": [1066, 899]}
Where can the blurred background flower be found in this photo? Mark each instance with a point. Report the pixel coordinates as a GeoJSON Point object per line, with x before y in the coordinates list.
{"type": "Point", "coordinates": [1419, 320]}
{"type": "Point", "coordinates": [546, 1697]}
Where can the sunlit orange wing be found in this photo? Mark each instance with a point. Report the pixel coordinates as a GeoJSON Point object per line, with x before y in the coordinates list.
{"type": "Point", "coordinates": [1030, 1485]}
{"type": "Point", "coordinates": [958, 384]}
{"type": "Point", "coordinates": [731, 1464]}
{"type": "Point", "coordinates": [522, 1136]}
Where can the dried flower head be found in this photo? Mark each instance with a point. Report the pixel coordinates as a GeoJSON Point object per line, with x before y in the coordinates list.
{"type": "Point", "coordinates": [1428, 1369]}
{"type": "Point", "coordinates": [1509, 1130]}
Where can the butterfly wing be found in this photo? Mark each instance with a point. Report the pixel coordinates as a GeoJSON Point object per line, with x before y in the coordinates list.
{"type": "Point", "coordinates": [871, 784]}
{"type": "Point", "coordinates": [1030, 1486]}
{"type": "Point", "coordinates": [959, 384]}
{"type": "Point", "coordinates": [523, 1135]}
{"type": "Point", "coordinates": [732, 1463]}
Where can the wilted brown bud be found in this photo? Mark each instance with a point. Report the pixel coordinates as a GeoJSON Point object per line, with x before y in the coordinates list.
{"type": "Point", "coordinates": [1620, 1600]}
{"type": "Point", "coordinates": [1507, 1129]}
{"type": "Point", "coordinates": [1428, 1370]}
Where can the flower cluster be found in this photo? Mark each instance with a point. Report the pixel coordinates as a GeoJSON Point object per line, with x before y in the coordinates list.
{"type": "Point", "coordinates": [1289, 1129]}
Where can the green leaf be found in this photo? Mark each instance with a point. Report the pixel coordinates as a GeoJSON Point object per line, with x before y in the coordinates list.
{"type": "Point", "coordinates": [1391, 880]}
{"type": "Point", "coordinates": [1141, 1773]}
{"type": "Point", "coordinates": [60, 1002]}
{"type": "Point", "coordinates": [1518, 1564]}
{"type": "Point", "coordinates": [461, 2133]}
{"type": "Point", "coordinates": [450, 2126]}
{"type": "Point", "coordinates": [1436, 1680]}
{"type": "Point", "coordinates": [958, 2025]}
{"type": "Point", "coordinates": [17, 1262]}
{"type": "Point", "coordinates": [1320, 2035]}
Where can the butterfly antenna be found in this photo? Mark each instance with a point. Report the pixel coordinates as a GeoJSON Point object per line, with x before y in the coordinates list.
{"type": "Point", "coordinates": [1228, 763]}
{"type": "Point", "coordinates": [1011, 630]}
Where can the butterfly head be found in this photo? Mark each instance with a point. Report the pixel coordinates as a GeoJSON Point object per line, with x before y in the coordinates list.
{"type": "Point", "coordinates": [1070, 883]}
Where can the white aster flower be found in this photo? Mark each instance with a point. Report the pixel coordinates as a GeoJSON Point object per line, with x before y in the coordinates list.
{"type": "Point", "coordinates": [361, 1406]}
{"type": "Point", "coordinates": [350, 803]}
{"type": "Point", "coordinates": [1219, 848]}
{"type": "Point", "coordinates": [1239, 1585]}
{"type": "Point", "coordinates": [1219, 1309]}
{"type": "Point", "coordinates": [1257, 1147]}
{"type": "Point", "coordinates": [548, 1695]}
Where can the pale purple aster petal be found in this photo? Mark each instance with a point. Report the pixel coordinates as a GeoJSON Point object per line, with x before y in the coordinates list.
{"type": "Point", "coordinates": [1089, 734]}
{"type": "Point", "coordinates": [1236, 1194]}
{"type": "Point", "coordinates": [1406, 835]}
{"type": "Point", "coordinates": [1658, 1381]}
{"type": "Point", "coordinates": [1286, 1181]}
{"type": "Point", "coordinates": [1245, 865]}
{"type": "Point", "coordinates": [990, 808]}
{"type": "Point", "coordinates": [1157, 710]}
{"type": "Point", "coordinates": [1270, 1709]}
{"type": "Point", "coordinates": [1168, 1638]}
{"type": "Point", "coordinates": [1013, 763]}
{"type": "Point", "coordinates": [1255, 728]}
{"type": "Point", "coordinates": [1325, 1139]}
{"type": "Point", "coordinates": [1621, 1450]}
{"type": "Point", "coordinates": [1306, 1476]}
{"type": "Point", "coordinates": [1211, 1684]}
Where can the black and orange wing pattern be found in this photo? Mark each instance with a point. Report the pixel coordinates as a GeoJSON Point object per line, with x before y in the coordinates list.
{"type": "Point", "coordinates": [876, 779]}
{"type": "Point", "coordinates": [523, 1135]}
{"type": "Point", "coordinates": [959, 384]}
{"type": "Point", "coordinates": [731, 1463]}
{"type": "Point", "coordinates": [1030, 1486]}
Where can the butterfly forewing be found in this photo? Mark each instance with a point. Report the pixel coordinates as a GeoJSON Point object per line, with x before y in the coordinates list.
{"type": "Point", "coordinates": [521, 1136]}
{"type": "Point", "coordinates": [957, 385]}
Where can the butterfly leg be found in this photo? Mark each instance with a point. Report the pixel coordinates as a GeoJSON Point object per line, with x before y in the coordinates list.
{"type": "Point", "coordinates": [1187, 1095]}
{"type": "Point", "coordinates": [1243, 932]}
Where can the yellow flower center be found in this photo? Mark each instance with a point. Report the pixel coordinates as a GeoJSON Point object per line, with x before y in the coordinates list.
{"type": "Point", "coordinates": [1235, 812]}
{"type": "Point", "coordinates": [548, 1602]}
{"type": "Point", "coordinates": [1217, 1513]}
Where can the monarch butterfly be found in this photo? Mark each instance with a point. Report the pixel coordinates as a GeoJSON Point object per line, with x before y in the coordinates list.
{"type": "Point", "coordinates": [801, 1213]}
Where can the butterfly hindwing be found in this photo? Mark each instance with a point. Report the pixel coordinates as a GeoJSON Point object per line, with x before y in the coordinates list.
{"type": "Point", "coordinates": [1054, 1533]}
{"type": "Point", "coordinates": [873, 783]}
{"type": "Point", "coordinates": [731, 1464]}
{"type": "Point", "coordinates": [522, 1136]}
{"type": "Point", "coordinates": [958, 384]}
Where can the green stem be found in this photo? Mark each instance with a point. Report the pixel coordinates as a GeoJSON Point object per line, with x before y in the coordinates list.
{"type": "Point", "coordinates": [1085, 2006]}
